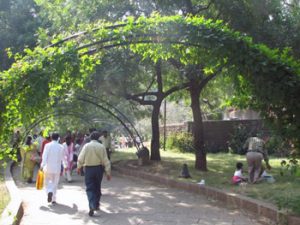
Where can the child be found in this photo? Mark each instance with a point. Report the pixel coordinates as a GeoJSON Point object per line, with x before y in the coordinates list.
{"type": "Point", "coordinates": [238, 174]}
{"type": "Point", "coordinates": [185, 171]}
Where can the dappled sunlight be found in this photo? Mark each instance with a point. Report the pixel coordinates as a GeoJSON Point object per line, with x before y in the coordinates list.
{"type": "Point", "coordinates": [221, 167]}
{"type": "Point", "coordinates": [127, 200]}
{"type": "Point", "coordinates": [182, 204]}
{"type": "Point", "coordinates": [135, 220]}
{"type": "Point", "coordinates": [141, 194]}
{"type": "Point", "coordinates": [166, 195]}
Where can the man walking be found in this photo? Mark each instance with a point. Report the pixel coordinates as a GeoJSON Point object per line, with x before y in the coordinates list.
{"type": "Point", "coordinates": [106, 141]}
{"type": "Point", "coordinates": [94, 158]}
{"type": "Point", "coordinates": [52, 159]}
{"type": "Point", "coordinates": [255, 154]}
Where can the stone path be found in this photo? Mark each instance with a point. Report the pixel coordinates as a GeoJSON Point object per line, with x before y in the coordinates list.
{"type": "Point", "coordinates": [125, 201]}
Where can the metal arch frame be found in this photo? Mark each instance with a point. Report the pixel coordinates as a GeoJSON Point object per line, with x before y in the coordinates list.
{"type": "Point", "coordinates": [97, 104]}
{"type": "Point", "coordinates": [91, 100]}
{"type": "Point", "coordinates": [118, 112]}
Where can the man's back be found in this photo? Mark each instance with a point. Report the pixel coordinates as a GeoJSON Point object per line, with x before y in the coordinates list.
{"type": "Point", "coordinates": [53, 156]}
{"type": "Point", "coordinates": [255, 143]}
{"type": "Point", "coordinates": [93, 154]}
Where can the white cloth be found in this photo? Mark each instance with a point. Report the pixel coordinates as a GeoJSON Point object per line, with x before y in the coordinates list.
{"type": "Point", "coordinates": [53, 156]}
{"type": "Point", "coordinates": [106, 141]}
{"type": "Point", "coordinates": [77, 149]}
{"type": "Point", "coordinates": [68, 151]}
{"type": "Point", "coordinates": [51, 183]}
{"type": "Point", "coordinates": [39, 141]}
{"type": "Point", "coordinates": [238, 173]}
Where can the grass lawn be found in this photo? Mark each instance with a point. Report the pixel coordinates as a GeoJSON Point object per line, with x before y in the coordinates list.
{"type": "Point", "coordinates": [221, 166]}
{"type": "Point", "coordinates": [4, 195]}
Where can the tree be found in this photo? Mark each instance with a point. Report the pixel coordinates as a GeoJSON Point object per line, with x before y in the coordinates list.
{"type": "Point", "coordinates": [263, 20]}
{"type": "Point", "coordinates": [144, 84]}
{"type": "Point", "coordinates": [155, 98]}
{"type": "Point", "coordinates": [57, 63]}
{"type": "Point", "coordinates": [18, 27]}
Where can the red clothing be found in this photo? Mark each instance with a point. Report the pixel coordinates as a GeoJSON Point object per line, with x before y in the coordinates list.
{"type": "Point", "coordinates": [46, 141]}
{"type": "Point", "coordinates": [236, 180]}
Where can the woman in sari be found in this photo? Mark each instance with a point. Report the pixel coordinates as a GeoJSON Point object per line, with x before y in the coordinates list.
{"type": "Point", "coordinates": [29, 156]}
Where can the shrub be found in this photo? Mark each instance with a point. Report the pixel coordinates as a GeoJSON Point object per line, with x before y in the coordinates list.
{"type": "Point", "coordinates": [278, 146]}
{"type": "Point", "coordinates": [181, 141]}
{"type": "Point", "coordinates": [237, 140]}
{"type": "Point", "coordinates": [291, 166]}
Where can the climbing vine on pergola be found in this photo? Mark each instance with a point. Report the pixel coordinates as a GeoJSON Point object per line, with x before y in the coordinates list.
{"type": "Point", "coordinates": [29, 88]}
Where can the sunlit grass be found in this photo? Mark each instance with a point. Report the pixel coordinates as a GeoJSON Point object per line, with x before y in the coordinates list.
{"type": "Point", "coordinates": [4, 195]}
{"type": "Point", "coordinates": [221, 167]}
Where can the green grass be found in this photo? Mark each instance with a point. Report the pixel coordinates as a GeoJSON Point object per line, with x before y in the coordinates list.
{"type": "Point", "coordinates": [4, 195]}
{"type": "Point", "coordinates": [285, 191]}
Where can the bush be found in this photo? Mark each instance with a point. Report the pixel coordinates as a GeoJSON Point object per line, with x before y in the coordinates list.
{"type": "Point", "coordinates": [278, 146]}
{"type": "Point", "coordinates": [291, 165]}
{"type": "Point", "coordinates": [237, 140]}
{"type": "Point", "coordinates": [181, 141]}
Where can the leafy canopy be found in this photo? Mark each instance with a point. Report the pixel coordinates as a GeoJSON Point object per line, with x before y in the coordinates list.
{"type": "Point", "coordinates": [41, 78]}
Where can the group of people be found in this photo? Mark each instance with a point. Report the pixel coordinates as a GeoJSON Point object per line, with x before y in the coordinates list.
{"type": "Point", "coordinates": [256, 153]}
{"type": "Point", "coordinates": [56, 157]}
{"type": "Point", "coordinates": [93, 154]}
{"type": "Point", "coordinates": [128, 142]}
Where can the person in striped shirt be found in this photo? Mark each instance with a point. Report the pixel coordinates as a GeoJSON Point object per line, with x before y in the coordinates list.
{"type": "Point", "coordinates": [256, 152]}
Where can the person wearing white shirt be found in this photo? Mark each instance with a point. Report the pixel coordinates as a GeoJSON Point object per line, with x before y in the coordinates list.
{"type": "Point", "coordinates": [106, 141]}
{"type": "Point", "coordinates": [53, 157]}
{"type": "Point", "coordinates": [238, 174]}
{"type": "Point", "coordinates": [39, 141]}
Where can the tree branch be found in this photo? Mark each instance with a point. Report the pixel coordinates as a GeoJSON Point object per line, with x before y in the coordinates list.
{"type": "Point", "coordinates": [208, 78]}
{"type": "Point", "coordinates": [202, 8]}
{"type": "Point", "coordinates": [159, 77]}
{"type": "Point", "coordinates": [176, 88]}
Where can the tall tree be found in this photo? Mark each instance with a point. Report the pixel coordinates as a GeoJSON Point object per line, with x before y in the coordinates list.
{"type": "Point", "coordinates": [18, 27]}
{"type": "Point", "coordinates": [184, 7]}
{"type": "Point", "coordinates": [146, 83]}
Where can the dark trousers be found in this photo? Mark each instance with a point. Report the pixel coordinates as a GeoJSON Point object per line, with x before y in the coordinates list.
{"type": "Point", "coordinates": [93, 179]}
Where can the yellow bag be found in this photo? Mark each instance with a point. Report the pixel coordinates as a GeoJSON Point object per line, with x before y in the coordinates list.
{"type": "Point", "coordinates": [40, 180]}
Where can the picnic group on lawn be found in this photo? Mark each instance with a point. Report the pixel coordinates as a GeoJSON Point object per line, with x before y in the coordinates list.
{"type": "Point", "coordinates": [58, 156]}
{"type": "Point", "coordinates": [256, 153]}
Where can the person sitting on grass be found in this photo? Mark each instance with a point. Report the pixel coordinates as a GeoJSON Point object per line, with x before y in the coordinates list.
{"type": "Point", "coordinates": [238, 174]}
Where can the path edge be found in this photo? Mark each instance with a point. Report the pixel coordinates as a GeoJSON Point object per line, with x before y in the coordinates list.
{"type": "Point", "coordinates": [14, 210]}
{"type": "Point", "coordinates": [265, 211]}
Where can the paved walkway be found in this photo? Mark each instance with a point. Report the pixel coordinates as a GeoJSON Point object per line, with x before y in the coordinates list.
{"type": "Point", "coordinates": [125, 201]}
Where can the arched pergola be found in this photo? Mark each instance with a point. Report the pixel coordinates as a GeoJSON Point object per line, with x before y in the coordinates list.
{"type": "Point", "coordinates": [69, 60]}
{"type": "Point", "coordinates": [111, 110]}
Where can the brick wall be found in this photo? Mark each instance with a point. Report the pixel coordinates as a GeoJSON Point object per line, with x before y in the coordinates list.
{"type": "Point", "coordinates": [217, 133]}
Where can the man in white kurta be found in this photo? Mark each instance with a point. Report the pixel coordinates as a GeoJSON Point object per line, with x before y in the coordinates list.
{"type": "Point", "coordinates": [53, 158]}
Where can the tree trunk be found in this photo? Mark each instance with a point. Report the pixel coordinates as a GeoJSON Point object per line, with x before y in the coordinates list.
{"type": "Point", "coordinates": [155, 145]}
{"type": "Point", "coordinates": [198, 138]}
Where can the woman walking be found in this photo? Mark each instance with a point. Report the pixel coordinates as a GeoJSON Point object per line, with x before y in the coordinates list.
{"type": "Point", "coordinates": [68, 154]}
{"type": "Point", "coordinates": [29, 156]}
